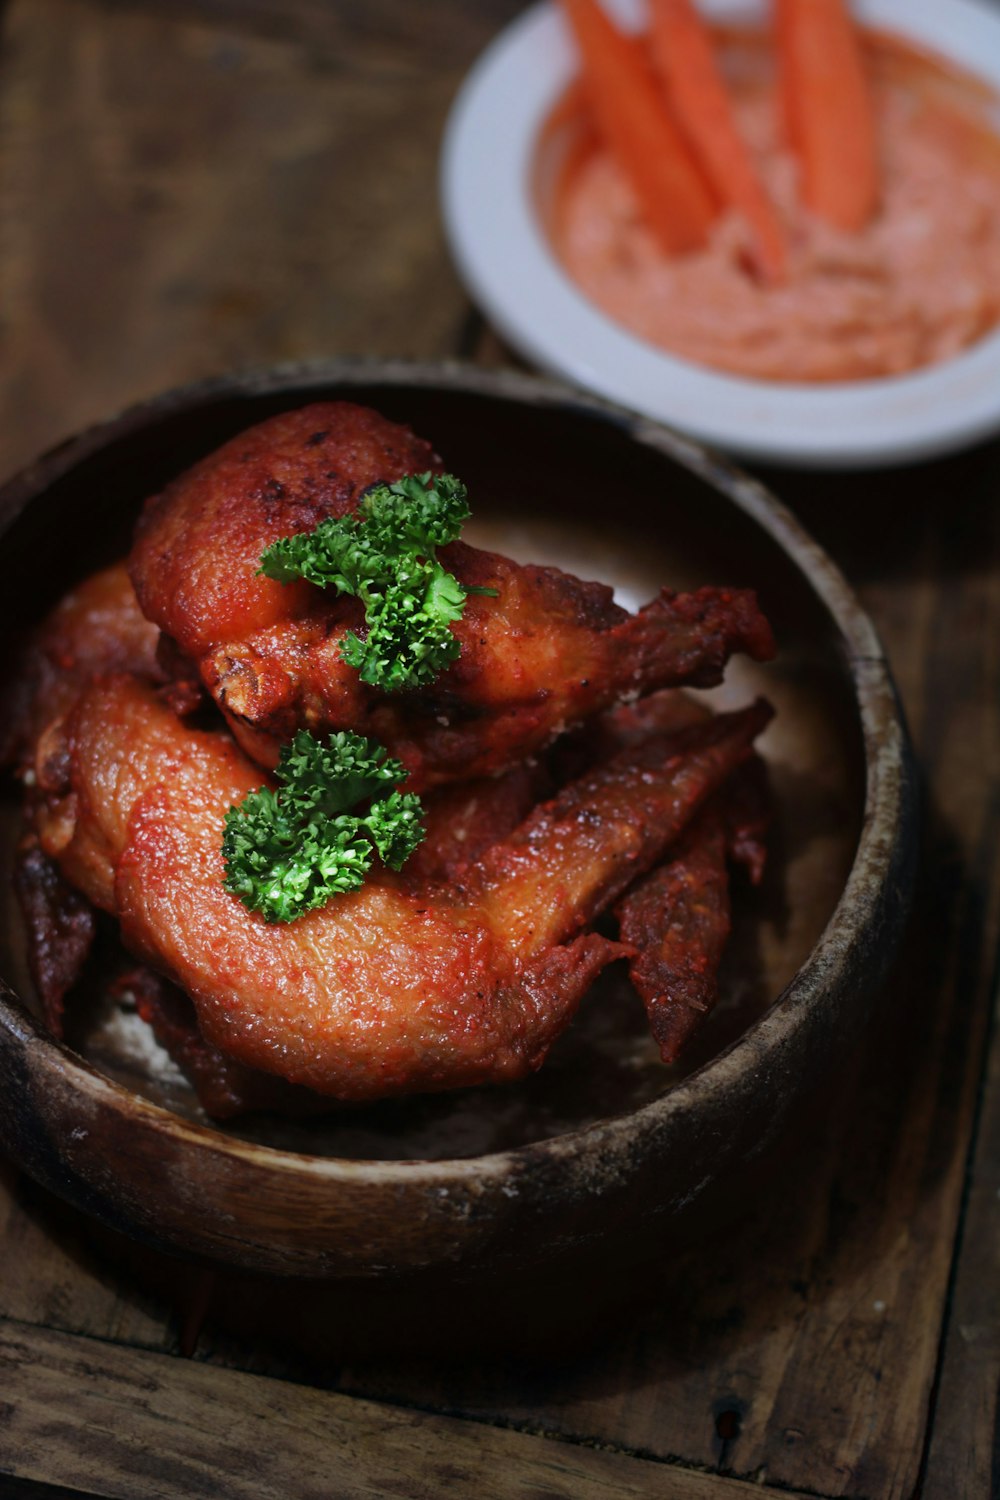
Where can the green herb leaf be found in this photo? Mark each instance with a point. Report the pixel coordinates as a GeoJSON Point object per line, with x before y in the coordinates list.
{"type": "Point", "coordinates": [383, 553]}
{"type": "Point", "coordinates": [288, 851]}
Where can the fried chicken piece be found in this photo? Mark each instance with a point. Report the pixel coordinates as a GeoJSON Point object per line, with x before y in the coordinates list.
{"type": "Point", "coordinates": [547, 651]}
{"type": "Point", "coordinates": [386, 990]}
{"type": "Point", "coordinates": [677, 918]}
{"type": "Point", "coordinates": [630, 723]}
{"type": "Point", "coordinates": [747, 811]}
{"type": "Point", "coordinates": [60, 927]}
{"type": "Point", "coordinates": [224, 1088]}
{"type": "Point", "coordinates": [96, 628]}
{"type": "Point", "coordinates": [678, 921]}
{"type": "Point", "coordinates": [462, 819]}
{"type": "Point", "coordinates": [198, 544]}
{"type": "Point", "coordinates": [746, 798]}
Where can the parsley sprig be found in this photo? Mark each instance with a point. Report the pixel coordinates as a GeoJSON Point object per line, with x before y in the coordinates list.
{"type": "Point", "coordinates": [288, 851]}
{"type": "Point", "coordinates": [384, 554]}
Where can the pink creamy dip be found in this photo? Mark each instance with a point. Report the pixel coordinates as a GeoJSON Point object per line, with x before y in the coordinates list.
{"type": "Point", "coordinates": [919, 283]}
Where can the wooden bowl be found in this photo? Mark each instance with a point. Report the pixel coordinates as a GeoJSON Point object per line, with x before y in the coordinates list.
{"type": "Point", "coordinates": [604, 1142]}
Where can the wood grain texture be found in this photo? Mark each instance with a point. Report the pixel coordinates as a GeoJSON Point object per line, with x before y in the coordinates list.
{"type": "Point", "coordinates": [103, 1419]}
{"type": "Point", "coordinates": [289, 210]}
{"type": "Point", "coordinates": [964, 1451]}
{"type": "Point", "coordinates": [51, 1276]}
{"type": "Point", "coordinates": [923, 545]}
{"type": "Point", "coordinates": [396, 33]}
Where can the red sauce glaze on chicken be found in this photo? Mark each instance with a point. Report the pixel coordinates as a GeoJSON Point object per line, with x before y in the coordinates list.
{"type": "Point", "coordinates": [558, 779]}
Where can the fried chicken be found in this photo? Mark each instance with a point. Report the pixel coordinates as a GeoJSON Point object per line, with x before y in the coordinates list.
{"type": "Point", "coordinates": [388, 989]}
{"type": "Point", "coordinates": [463, 968]}
{"type": "Point", "coordinates": [97, 627]}
{"type": "Point", "coordinates": [677, 921]}
{"type": "Point", "coordinates": [546, 652]}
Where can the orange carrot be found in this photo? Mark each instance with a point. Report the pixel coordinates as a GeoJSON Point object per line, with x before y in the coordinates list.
{"type": "Point", "coordinates": [829, 108]}
{"type": "Point", "coordinates": [569, 108]}
{"type": "Point", "coordinates": [634, 121]}
{"type": "Point", "coordinates": [572, 117]}
{"type": "Point", "coordinates": [683, 52]}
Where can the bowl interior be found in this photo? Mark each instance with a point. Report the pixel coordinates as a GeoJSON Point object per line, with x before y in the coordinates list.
{"type": "Point", "coordinates": [553, 481]}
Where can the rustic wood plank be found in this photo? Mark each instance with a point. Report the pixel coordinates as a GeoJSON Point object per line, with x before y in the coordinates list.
{"type": "Point", "coordinates": [289, 210]}
{"type": "Point", "coordinates": [438, 31]}
{"type": "Point", "coordinates": [122, 1424]}
{"type": "Point", "coordinates": [964, 1452]}
{"type": "Point", "coordinates": [52, 1276]}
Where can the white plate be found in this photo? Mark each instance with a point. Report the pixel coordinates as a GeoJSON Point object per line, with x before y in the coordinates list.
{"type": "Point", "coordinates": [504, 258]}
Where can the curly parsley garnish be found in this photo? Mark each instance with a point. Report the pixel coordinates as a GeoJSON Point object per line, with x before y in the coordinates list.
{"type": "Point", "coordinates": [288, 851]}
{"type": "Point", "coordinates": [384, 554]}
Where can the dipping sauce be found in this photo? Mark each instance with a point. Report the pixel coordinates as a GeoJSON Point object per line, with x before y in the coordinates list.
{"type": "Point", "coordinates": [919, 283]}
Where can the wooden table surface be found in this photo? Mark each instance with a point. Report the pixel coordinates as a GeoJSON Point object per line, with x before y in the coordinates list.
{"type": "Point", "coordinates": [200, 185]}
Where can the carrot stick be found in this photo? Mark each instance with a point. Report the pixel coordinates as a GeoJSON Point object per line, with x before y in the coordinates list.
{"type": "Point", "coordinates": [634, 121]}
{"type": "Point", "coordinates": [568, 108]}
{"type": "Point", "coordinates": [683, 52]}
{"type": "Point", "coordinates": [829, 108]}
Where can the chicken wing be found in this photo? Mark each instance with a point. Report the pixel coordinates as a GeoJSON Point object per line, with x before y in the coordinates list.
{"type": "Point", "coordinates": [225, 1088]}
{"type": "Point", "coordinates": [547, 651]}
{"type": "Point", "coordinates": [97, 627]}
{"type": "Point", "coordinates": [677, 921]}
{"type": "Point", "coordinates": [388, 989]}
{"type": "Point", "coordinates": [462, 819]}
{"type": "Point", "coordinates": [59, 923]}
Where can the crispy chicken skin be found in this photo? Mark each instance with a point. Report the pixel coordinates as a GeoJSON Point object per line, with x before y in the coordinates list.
{"type": "Point", "coordinates": [677, 921]}
{"type": "Point", "coordinates": [463, 968]}
{"type": "Point", "coordinates": [198, 544]}
{"type": "Point", "coordinates": [97, 627]}
{"type": "Point", "coordinates": [462, 819]}
{"type": "Point", "coordinates": [547, 651]}
{"type": "Point", "coordinates": [60, 925]}
{"type": "Point", "coordinates": [389, 989]}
